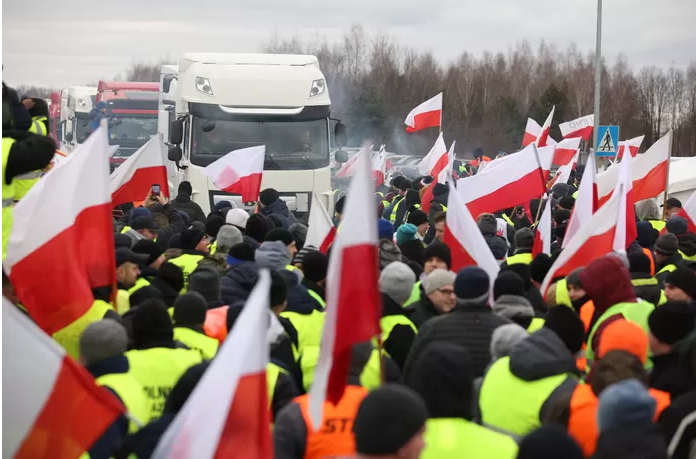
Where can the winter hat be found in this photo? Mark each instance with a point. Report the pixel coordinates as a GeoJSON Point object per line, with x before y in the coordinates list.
{"type": "Point", "coordinates": [272, 255]}
{"type": "Point", "coordinates": [299, 256]}
{"type": "Point", "coordinates": [639, 263]}
{"type": "Point", "coordinates": [508, 283]}
{"type": "Point", "coordinates": [190, 309]}
{"type": "Point", "coordinates": [387, 419]}
{"type": "Point", "coordinates": [539, 267]}
{"type": "Point", "coordinates": [101, 340]}
{"type": "Point", "coordinates": [149, 248]}
{"type": "Point", "coordinates": [172, 275]}
{"type": "Point", "coordinates": [561, 216]}
{"type": "Point", "coordinates": [567, 325]}
{"type": "Point", "coordinates": [229, 236]}
{"type": "Point", "coordinates": [385, 229]}
{"type": "Point", "coordinates": [205, 281]}
{"type": "Point", "coordinates": [388, 252]}
{"type": "Point", "coordinates": [240, 253]}
{"type": "Point", "coordinates": [257, 227]}
{"type": "Point", "coordinates": [487, 224]}
{"type": "Point", "coordinates": [574, 277]}
{"type": "Point", "coordinates": [560, 189]}
{"type": "Point", "coordinates": [138, 212]}
{"type": "Point", "coordinates": [397, 281]}
{"type": "Point", "coordinates": [677, 225]}
{"type": "Point", "coordinates": [143, 294]}
{"type": "Point", "coordinates": [436, 279]}
{"type": "Point", "coordinates": [684, 279]}
{"type": "Point", "coordinates": [299, 234]}
{"type": "Point", "coordinates": [471, 285]}
{"type": "Point", "coordinates": [667, 244]}
{"type": "Point", "coordinates": [151, 324]}
{"type": "Point", "coordinates": [646, 234]}
{"type": "Point", "coordinates": [625, 404]}
{"type": "Point", "coordinates": [315, 265]}
{"type": "Point", "coordinates": [268, 196]}
{"type": "Point", "coordinates": [524, 239]}
{"type": "Point", "coordinates": [439, 250]}
{"type": "Point", "coordinates": [190, 238]}
{"type": "Point", "coordinates": [280, 234]}
{"type": "Point", "coordinates": [417, 217]}
{"type": "Point", "coordinates": [521, 270]}
{"type": "Point", "coordinates": [175, 242]}
{"type": "Point", "coordinates": [549, 442]}
{"type": "Point", "coordinates": [671, 322]}
{"type": "Point", "coordinates": [101, 105]}
{"type": "Point", "coordinates": [439, 189]}
{"type": "Point", "coordinates": [213, 224]}
{"type": "Point", "coordinates": [624, 335]}
{"type": "Point", "coordinates": [504, 338]}
{"type": "Point", "coordinates": [567, 202]}
{"type": "Point", "coordinates": [406, 232]}
{"type": "Point", "coordinates": [237, 217]}
{"type": "Point", "coordinates": [122, 241]}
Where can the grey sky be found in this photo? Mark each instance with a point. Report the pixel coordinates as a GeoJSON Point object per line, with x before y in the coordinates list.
{"type": "Point", "coordinates": [51, 43]}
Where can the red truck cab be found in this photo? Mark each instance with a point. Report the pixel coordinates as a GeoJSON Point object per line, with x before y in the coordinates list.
{"type": "Point", "coordinates": [54, 118]}
{"type": "Point", "coordinates": [132, 108]}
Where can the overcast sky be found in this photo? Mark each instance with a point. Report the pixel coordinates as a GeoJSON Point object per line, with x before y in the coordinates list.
{"type": "Point", "coordinates": [58, 44]}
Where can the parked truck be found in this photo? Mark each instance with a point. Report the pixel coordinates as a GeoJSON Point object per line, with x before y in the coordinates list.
{"type": "Point", "coordinates": [75, 104]}
{"type": "Point", "coordinates": [54, 118]}
{"type": "Point", "coordinates": [212, 104]}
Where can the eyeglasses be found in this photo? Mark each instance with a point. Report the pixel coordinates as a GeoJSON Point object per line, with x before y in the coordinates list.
{"type": "Point", "coordinates": [446, 291]}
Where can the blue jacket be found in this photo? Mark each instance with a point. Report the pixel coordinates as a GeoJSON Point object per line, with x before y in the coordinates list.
{"type": "Point", "coordinates": [95, 117]}
{"type": "Point", "coordinates": [279, 210]}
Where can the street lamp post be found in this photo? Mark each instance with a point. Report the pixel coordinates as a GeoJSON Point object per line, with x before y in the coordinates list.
{"type": "Point", "coordinates": [598, 77]}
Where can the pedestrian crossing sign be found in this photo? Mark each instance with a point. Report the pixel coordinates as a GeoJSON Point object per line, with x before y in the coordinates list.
{"type": "Point", "coordinates": [607, 141]}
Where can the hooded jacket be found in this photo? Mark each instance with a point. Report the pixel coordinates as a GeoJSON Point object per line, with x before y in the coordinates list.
{"type": "Point", "coordinates": [518, 309]}
{"type": "Point", "coordinates": [279, 210]}
{"type": "Point", "coordinates": [184, 203]}
{"type": "Point", "coordinates": [238, 281]}
{"type": "Point", "coordinates": [687, 243]}
{"type": "Point", "coordinates": [497, 244]}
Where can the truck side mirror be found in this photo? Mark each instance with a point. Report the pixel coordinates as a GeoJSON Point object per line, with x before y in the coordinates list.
{"type": "Point", "coordinates": [341, 134]}
{"type": "Point", "coordinates": [176, 132]}
{"type": "Point", "coordinates": [175, 154]}
{"type": "Point", "coordinates": [341, 156]}
{"type": "Point", "coordinates": [68, 136]}
{"type": "Point", "coordinates": [167, 82]}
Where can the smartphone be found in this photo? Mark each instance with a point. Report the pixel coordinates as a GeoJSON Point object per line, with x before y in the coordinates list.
{"type": "Point", "coordinates": [155, 189]}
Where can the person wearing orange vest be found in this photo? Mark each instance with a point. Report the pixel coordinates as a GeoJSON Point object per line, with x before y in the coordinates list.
{"type": "Point", "coordinates": [294, 434]}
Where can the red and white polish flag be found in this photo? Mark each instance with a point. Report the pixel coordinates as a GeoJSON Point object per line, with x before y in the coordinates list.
{"type": "Point", "coordinates": [464, 239]}
{"type": "Point", "coordinates": [380, 164]}
{"type": "Point", "coordinates": [542, 235]}
{"type": "Point", "coordinates": [649, 173]}
{"type": "Point", "coordinates": [532, 132]}
{"type": "Point", "coordinates": [592, 240]}
{"type": "Point", "coordinates": [239, 172]}
{"type": "Point", "coordinates": [563, 173]}
{"type": "Point", "coordinates": [227, 415]}
{"type": "Point", "coordinates": [62, 235]}
{"type": "Point", "coordinates": [633, 146]}
{"type": "Point", "coordinates": [542, 139]}
{"type": "Point", "coordinates": [580, 128]}
{"type": "Point", "coordinates": [626, 229]}
{"type": "Point", "coordinates": [426, 115]}
{"type": "Point", "coordinates": [688, 211]}
{"type": "Point", "coordinates": [436, 160]}
{"type": "Point", "coordinates": [442, 177]}
{"type": "Point", "coordinates": [134, 178]}
{"type": "Point", "coordinates": [586, 204]}
{"type": "Point", "coordinates": [348, 168]}
{"type": "Point", "coordinates": [53, 406]}
{"type": "Point", "coordinates": [353, 306]}
{"type": "Point", "coordinates": [321, 232]}
{"type": "Point", "coordinates": [566, 150]}
{"type": "Point", "coordinates": [515, 179]}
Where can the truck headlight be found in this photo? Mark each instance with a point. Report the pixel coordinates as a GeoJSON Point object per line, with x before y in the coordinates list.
{"type": "Point", "coordinates": [82, 103]}
{"type": "Point", "coordinates": [203, 85]}
{"type": "Point", "coordinates": [318, 87]}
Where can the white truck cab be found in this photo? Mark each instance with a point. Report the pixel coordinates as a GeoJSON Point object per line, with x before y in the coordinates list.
{"type": "Point", "coordinates": [211, 104]}
{"type": "Point", "coordinates": [76, 103]}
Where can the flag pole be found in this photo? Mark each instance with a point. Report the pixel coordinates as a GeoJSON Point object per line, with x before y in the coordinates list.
{"type": "Point", "coordinates": [598, 77]}
{"type": "Point", "coordinates": [669, 161]}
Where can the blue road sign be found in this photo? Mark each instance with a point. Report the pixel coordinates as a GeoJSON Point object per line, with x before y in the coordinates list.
{"type": "Point", "coordinates": [607, 141]}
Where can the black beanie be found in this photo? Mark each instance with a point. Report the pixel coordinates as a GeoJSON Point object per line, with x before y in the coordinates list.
{"type": "Point", "coordinates": [439, 189]}
{"type": "Point", "coordinates": [417, 217]}
{"type": "Point", "coordinates": [190, 309]}
{"type": "Point", "coordinates": [206, 281]}
{"type": "Point", "coordinates": [684, 279]}
{"type": "Point", "coordinates": [257, 226]}
{"type": "Point", "coordinates": [565, 322]}
{"type": "Point", "coordinates": [143, 294]}
{"type": "Point", "coordinates": [172, 275]}
{"type": "Point", "coordinates": [539, 267]}
{"type": "Point", "coordinates": [439, 250]}
{"type": "Point", "coordinates": [213, 224]}
{"type": "Point", "coordinates": [639, 262]}
{"type": "Point", "coordinates": [387, 419]}
{"type": "Point", "coordinates": [149, 248]}
{"type": "Point", "coordinates": [242, 252]}
{"type": "Point", "coordinates": [280, 234]}
{"type": "Point", "coordinates": [151, 325]}
{"type": "Point", "coordinates": [190, 238]}
{"type": "Point", "coordinates": [549, 442]}
{"type": "Point", "coordinates": [268, 196]}
{"type": "Point", "coordinates": [508, 283]}
{"type": "Point", "coordinates": [671, 322]}
{"type": "Point", "coordinates": [521, 270]}
{"type": "Point", "coordinates": [315, 265]}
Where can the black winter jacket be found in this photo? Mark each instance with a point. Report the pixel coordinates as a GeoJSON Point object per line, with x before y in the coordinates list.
{"type": "Point", "coordinates": [631, 443]}
{"type": "Point", "coordinates": [670, 374]}
{"type": "Point", "coordinates": [238, 281]}
{"type": "Point", "coordinates": [646, 287]}
{"type": "Point", "coordinates": [279, 210]}
{"type": "Point", "coordinates": [679, 440]}
{"type": "Point", "coordinates": [183, 203]}
{"type": "Point", "coordinates": [422, 310]}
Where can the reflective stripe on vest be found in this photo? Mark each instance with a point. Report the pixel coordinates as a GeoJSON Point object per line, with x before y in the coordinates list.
{"type": "Point", "coordinates": [317, 298]}
{"type": "Point", "coordinates": [449, 438]}
{"type": "Point", "coordinates": [635, 312]}
{"type": "Point", "coordinates": [659, 225]}
{"type": "Point", "coordinates": [650, 256]}
{"type": "Point", "coordinates": [158, 369]}
{"type": "Point", "coordinates": [387, 324]}
{"type": "Point", "coordinates": [8, 195]}
{"type": "Point", "coordinates": [507, 219]}
{"type": "Point", "coordinates": [687, 257]}
{"type": "Point", "coordinates": [669, 268]}
{"type": "Point", "coordinates": [273, 372]}
{"type": "Point", "coordinates": [188, 264]}
{"type": "Point", "coordinates": [8, 202]}
{"type": "Point", "coordinates": [644, 282]}
{"type": "Point", "coordinates": [335, 436]}
{"type": "Point", "coordinates": [131, 394]}
{"type": "Point", "coordinates": [536, 324]}
{"type": "Point", "coordinates": [29, 176]}
{"type": "Point", "coordinates": [37, 126]}
{"type": "Point", "coordinates": [511, 405]}
{"type": "Point", "coordinates": [415, 294]}
{"type": "Point", "coordinates": [205, 345]}
{"type": "Point", "coordinates": [140, 283]}
{"type": "Point", "coordinates": [125, 229]}
{"type": "Point", "coordinates": [519, 258]}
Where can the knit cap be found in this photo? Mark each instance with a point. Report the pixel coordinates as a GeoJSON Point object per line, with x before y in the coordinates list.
{"type": "Point", "coordinates": [549, 442]}
{"type": "Point", "coordinates": [397, 281]}
{"type": "Point", "coordinates": [229, 236]}
{"type": "Point", "coordinates": [639, 263]}
{"type": "Point", "coordinates": [667, 244]}
{"type": "Point", "coordinates": [213, 224]}
{"type": "Point", "coordinates": [190, 309]}
{"type": "Point", "coordinates": [677, 225]}
{"type": "Point", "coordinates": [684, 279]}
{"type": "Point", "coordinates": [149, 248]}
{"type": "Point", "coordinates": [671, 322]}
{"type": "Point", "coordinates": [273, 255]}
{"type": "Point", "coordinates": [508, 283]}
{"type": "Point", "coordinates": [438, 250]}
{"type": "Point", "coordinates": [624, 405]}
{"type": "Point", "coordinates": [280, 234]}
{"type": "Point", "coordinates": [315, 265]}
{"type": "Point", "coordinates": [438, 278]}
{"type": "Point", "coordinates": [471, 285]}
{"type": "Point", "coordinates": [388, 252]}
{"type": "Point", "coordinates": [567, 325]}
{"type": "Point", "coordinates": [624, 335]}
{"type": "Point", "coordinates": [385, 229]}
{"type": "Point", "coordinates": [205, 281]}
{"type": "Point", "coordinates": [151, 323]}
{"type": "Point", "coordinates": [299, 234]}
{"type": "Point", "coordinates": [190, 238]}
{"type": "Point", "coordinates": [240, 253]}
{"type": "Point", "coordinates": [539, 267]}
{"type": "Point", "coordinates": [417, 217]}
{"type": "Point", "coordinates": [504, 338]}
{"type": "Point", "coordinates": [101, 340]}
{"type": "Point", "coordinates": [524, 239]}
{"type": "Point", "coordinates": [406, 232]}
{"type": "Point", "coordinates": [237, 217]}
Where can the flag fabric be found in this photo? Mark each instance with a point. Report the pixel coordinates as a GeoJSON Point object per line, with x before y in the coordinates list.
{"type": "Point", "coordinates": [227, 415]}
{"type": "Point", "coordinates": [542, 139]}
{"type": "Point", "coordinates": [592, 240]}
{"type": "Point", "coordinates": [321, 231]}
{"type": "Point", "coordinates": [239, 171]}
{"type": "Point", "coordinates": [688, 211]}
{"type": "Point", "coordinates": [379, 166]}
{"type": "Point", "coordinates": [563, 173]}
{"type": "Point", "coordinates": [53, 406]}
{"type": "Point", "coordinates": [542, 235]}
{"type": "Point", "coordinates": [546, 155]}
{"type": "Point", "coordinates": [626, 229]}
{"type": "Point", "coordinates": [133, 180]}
{"type": "Point", "coordinates": [348, 168]}
{"type": "Point", "coordinates": [585, 204]}
{"type": "Point", "coordinates": [436, 160]}
{"type": "Point", "coordinates": [63, 236]}
{"type": "Point", "coordinates": [632, 144]}
{"type": "Point", "coordinates": [580, 128]}
{"type": "Point", "coordinates": [464, 239]}
{"type": "Point", "coordinates": [649, 173]}
{"type": "Point", "coordinates": [426, 115]}
{"type": "Point", "coordinates": [566, 150]}
{"type": "Point", "coordinates": [532, 132]}
{"type": "Point", "coordinates": [353, 306]}
{"type": "Point", "coordinates": [442, 177]}
{"type": "Point", "coordinates": [515, 180]}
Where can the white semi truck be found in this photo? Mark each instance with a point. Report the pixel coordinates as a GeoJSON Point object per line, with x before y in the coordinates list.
{"type": "Point", "coordinates": [75, 105]}
{"type": "Point", "coordinates": [211, 104]}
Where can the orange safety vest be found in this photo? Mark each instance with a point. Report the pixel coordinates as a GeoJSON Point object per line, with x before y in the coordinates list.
{"type": "Point", "coordinates": [582, 423]}
{"type": "Point", "coordinates": [215, 325]}
{"type": "Point", "coordinates": [650, 256]}
{"type": "Point", "coordinates": [586, 313]}
{"type": "Point", "coordinates": [335, 437]}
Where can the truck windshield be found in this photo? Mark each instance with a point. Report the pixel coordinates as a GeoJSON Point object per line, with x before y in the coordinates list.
{"type": "Point", "coordinates": [133, 128]}
{"type": "Point", "coordinates": [290, 145]}
{"type": "Point", "coordinates": [82, 128]}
